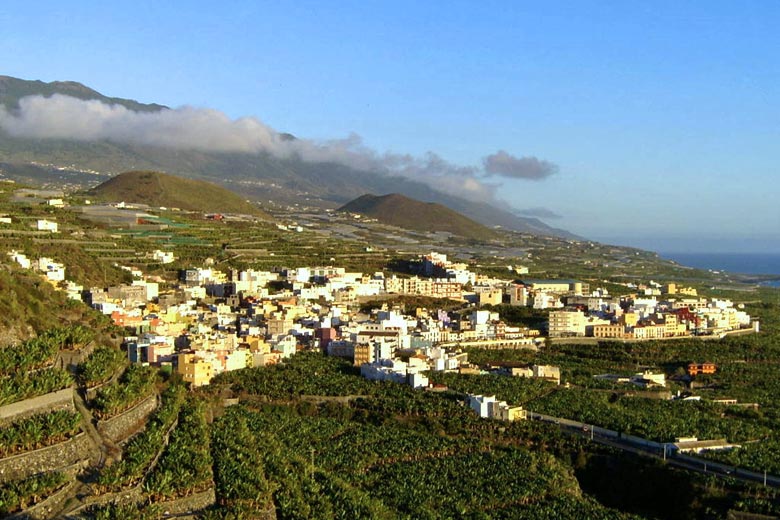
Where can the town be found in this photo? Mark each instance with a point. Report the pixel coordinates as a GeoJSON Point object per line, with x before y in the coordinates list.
{"type": "Point", "coordinates": [214, 321]}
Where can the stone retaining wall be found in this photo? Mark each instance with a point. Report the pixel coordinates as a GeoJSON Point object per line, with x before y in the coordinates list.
{"type": "Point", "coordinates": [127, 423]}
{"type": "Point", "coordinates": [60, 400]}
{"type": "Point", "coordinates": [46, 508]}
{"type": "Point", "coordinates": [132, 495]}
{"type": "Point", "coordinates": [191, 503]}
{"type": "Point", "coordinates": [70, 358]}
{"type": "Point", "coordinates": [78, 449]}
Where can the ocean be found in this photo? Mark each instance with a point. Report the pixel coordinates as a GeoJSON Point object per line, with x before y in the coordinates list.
{"type": "Point", "coordinates": [745, 263]}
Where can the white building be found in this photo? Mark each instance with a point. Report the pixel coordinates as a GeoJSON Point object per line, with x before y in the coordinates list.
{"type": "Point", "coordinates": [488, 407]}
{"type": "Point", "coordinates": [164, 257]}
{"type": "Point", "coordinates": [566, 324]}
{"type": "Point", "coordinates": [481, 404]}
{"type": "Point", "coordinates": [47, 225]}
{"type": "Point", "coordinates": [20, 258]}
{"type": "Point", "coordinates": [394, 370]}
{"type": "Point", "coordinates": [53, 271]}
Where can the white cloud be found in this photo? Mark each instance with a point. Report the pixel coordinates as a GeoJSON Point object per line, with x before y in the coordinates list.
{"type": "Point", "coordinates": [188, 128]}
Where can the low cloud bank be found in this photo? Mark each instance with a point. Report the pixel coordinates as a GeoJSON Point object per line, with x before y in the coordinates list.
{"type": "Point", "coordinates": [188, 128]}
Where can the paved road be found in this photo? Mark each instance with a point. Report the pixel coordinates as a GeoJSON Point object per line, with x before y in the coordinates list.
{"type": "Point", "coordinates": [655, 450]}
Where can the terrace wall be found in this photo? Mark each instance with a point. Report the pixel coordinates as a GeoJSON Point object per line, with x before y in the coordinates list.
{"type": "Point", "coordinates": [77, 450]}
{"type": "Point", "coordinates": [60, 400]}
{"type": "Point", "coordinates": [127, 423]}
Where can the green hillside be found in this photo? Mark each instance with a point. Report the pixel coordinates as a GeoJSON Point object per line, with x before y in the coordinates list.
{"type": "Point", "coordinates": [401, 211]}
{"type": "Point", "coordinates": [160, 189]}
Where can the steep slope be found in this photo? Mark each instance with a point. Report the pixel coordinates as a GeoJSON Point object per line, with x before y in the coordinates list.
{"type": "Point", "coordinates": [260, 176]}
{"type": "Point", "coordinates": [401, 211]}
{"type": "Point", "coordinates": [160, 189]}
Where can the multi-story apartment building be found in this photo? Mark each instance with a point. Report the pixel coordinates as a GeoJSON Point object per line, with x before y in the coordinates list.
{"type": "Point", "coordinates": [566, 323]}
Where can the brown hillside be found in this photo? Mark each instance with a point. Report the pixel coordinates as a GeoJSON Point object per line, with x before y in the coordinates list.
{"type": "Point", "coordinates": [160, 189]}
{"type": "Point", "coordinates": [401, 211]}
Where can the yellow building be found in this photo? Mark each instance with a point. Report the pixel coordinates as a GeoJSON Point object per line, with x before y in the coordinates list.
{"type": "Point", "coordinates": [673, 327]}
{"type": "Point", "coordinates": [629, 319]}
{"type": "Point", "coordinates": [362, 354]}
{"type": "Point", "coordinates": [194, 369]}
{"type": "Point", "coordinates": [649, 331]}
{"type": "Point", "coordinates": [609, 331]}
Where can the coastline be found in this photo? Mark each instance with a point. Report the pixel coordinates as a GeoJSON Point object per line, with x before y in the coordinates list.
{"type": "Point", "coordinates": [764, 266]}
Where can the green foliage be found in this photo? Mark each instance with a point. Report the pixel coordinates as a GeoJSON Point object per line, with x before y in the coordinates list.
{"type": "Point", "coordinates": [408, 303]}
{"type": "Point", "coordinates": [306, 373]}
{"type": "Point", "coordinates": [31, 384]}
{"type": "Point", "coordinates": [241, 483]}
{"type": "Point", "coordinates": [101, 365]}
{"type": "Point", "coordinates": [515, 390]}
{"type": "Point", "coordinates": [326, 464]}
{"type": "Point", "coordinates": [516, 315]}
{"type": "Point", "coordinates": [38, 431]}
{"type": "Point", "coordinates": [392, 453]}
{"type": "Point", "coordinates": [28, 305]}
{"type": "Point", "coordinates": [756, 456]}
{"type": "Point", "coordinates": [185, 466]}
{"type": "Point", "coordinates": [123, 511]}
{"type": "Point", "coordinates": [31, 354]}
{"type": "Point", "coordinates": [135, 385]}
{"type": "Point", "coordinates": [39, 352]}
{"type": "Point", "coordinates": [141, 449]}
{"type": "Point", "coordinates": [160, 189]}
{"type": "Point", "coordinates": [21, 494]}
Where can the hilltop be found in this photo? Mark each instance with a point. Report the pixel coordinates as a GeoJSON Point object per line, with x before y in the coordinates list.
{"type": "Point", "coordinates": [398, 210]}
{"type": "Point", "coordinates": [160, 189]}
{"type": "Point", "coordinates": [260, 176]}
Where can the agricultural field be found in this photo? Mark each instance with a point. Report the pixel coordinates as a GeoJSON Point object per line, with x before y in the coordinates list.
{"type": "Point", "coordinates": [311, 438]}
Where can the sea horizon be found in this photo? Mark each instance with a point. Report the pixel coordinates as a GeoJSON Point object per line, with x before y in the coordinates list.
{"type": "Point", "coordinates": [759, 264]}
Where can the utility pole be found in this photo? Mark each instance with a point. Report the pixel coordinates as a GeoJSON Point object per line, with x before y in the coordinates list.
{"type": "Point", "coordinates": [764, 478]}
{"type": "Point", "coordinates": [312, 464]}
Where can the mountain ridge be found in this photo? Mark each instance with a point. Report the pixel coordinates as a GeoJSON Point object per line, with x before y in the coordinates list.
{"type": "Point", "coordinates": [260, 176]}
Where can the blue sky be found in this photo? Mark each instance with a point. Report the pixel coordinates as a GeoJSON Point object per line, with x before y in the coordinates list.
{"type": "Point", "coordinates": [663, 117]}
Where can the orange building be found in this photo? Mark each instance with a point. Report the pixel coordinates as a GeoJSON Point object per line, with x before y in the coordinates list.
{"type": "Point", "coordinates": [701, 368]}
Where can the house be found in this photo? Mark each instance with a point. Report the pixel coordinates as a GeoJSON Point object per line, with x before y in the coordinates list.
{"type": "Point", "coordinates": [481, 404]}
{"type": "Point", "coordinates": [47, 225]}
{"type": "Point", "coordinates": [701, 368]}
{"type": "Point", "coordinates": [20, 258]}
{"type": "Point", "coordinates": [647, 379]}
{"type": "Point", "coordinates": [488, 407]}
